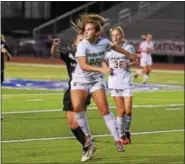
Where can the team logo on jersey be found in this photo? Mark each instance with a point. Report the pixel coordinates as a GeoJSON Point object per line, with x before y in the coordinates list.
{"type": "Point", "coordinates": [75, 84]}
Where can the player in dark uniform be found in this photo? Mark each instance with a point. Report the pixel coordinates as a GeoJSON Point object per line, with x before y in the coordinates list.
{"type": "Point", "coordinates": [68, 56]}
{"type": "Point", "coordinates": [4, 56]}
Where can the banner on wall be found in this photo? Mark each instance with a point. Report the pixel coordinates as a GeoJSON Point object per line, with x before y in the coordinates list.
{"type": "Point", "coordinates": [175, 48]}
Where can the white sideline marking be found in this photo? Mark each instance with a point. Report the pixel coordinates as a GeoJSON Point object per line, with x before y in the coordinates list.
{"type": "Point", "coordinates": [98, 136]}
{"type": "Point", "coordinates": [31, 94]}
{"type": "Point", "coordinates": [61, 92]}
{"type": "Point", "coordinates": [173, 109]}
{"type": "Point", "coordinates": [37, 65]}
{"type": "Point", "coordinates": [91, 108]}
{"type": "Point", "coordinates": [63, 65]}
{"type": "Point", "coordinates": [34, 100]}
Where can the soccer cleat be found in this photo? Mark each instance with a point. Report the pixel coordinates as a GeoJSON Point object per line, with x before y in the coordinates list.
{"type": "Point", "coordinates": [120, 146]}
{"type": "Point", "coordinates": [128, 136]}
{"type": "Point", "coordinates": [88, 149]}
{"type": "Point", "coordinates": [124, 140]}
{"type": "Point", "coordinates": [85, 155]}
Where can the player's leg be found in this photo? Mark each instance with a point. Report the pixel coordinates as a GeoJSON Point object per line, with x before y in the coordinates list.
{"type": "Point", "coordinates": [147, 68]}
{"type": "Point", "coordinates": [149, 65]}
{"type": "Point", "coordinates": [2, 79]}
{"type": "Point", "coordinates": [128, 112]}
{"type": "Point", "coordinates": [119, 101]}
{"type": "Point", "coordinates": [145, 74]}
{"type": "Point", "coordinates": [78, 98]}
{"type": "Point", "coordinates": [71, 119]}
{"type": "Point", "coordinates": [100, 99]}
{"type": "Point", "coordinates": [79, 95]}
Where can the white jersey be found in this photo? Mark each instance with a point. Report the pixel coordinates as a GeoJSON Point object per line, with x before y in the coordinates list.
{"type": "Point", "coordinates": [95, 54]}
{"type": "Point", "coordinates": [121, 78]}
{"type": "Point", "coordinates": [146, 45]}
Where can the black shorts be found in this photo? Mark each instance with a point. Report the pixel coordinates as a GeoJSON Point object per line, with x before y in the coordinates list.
{"type": "Point", "coordinates": [2, 76]}
{"type": "Point", "coordinates": [67, 101]}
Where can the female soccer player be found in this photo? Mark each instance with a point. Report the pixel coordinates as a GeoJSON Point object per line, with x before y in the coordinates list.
{"type": "Point", "coordinates": [5, 55]}
{"type": "Point", "coordinates": [88, 76]}
{"type": "Point", "coordinates": [68, 56]}
{"type": "Point", "coordinates": [146, 48]}
{"type": "Point", "coordinates": [120, 83]}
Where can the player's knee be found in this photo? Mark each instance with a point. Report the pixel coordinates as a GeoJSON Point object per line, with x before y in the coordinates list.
{"type": "Point", "coordinates": [120, 112]}
{"type": "Point", "coordinates": [128, 112]}
{"type": "Point", "coordinates": [104, 110]}
{"type": "Point", "coordinates": [77, 107]}
{"type": "Point", "coordinates": [71, 119]}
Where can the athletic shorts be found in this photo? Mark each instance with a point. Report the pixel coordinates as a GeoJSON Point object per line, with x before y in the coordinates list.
{"type": "Point", "coordinates": [121, 92]}
{"type": "Point", "coordinates": [89, 87]}
{"type": "Point", "coordinates": [2, 76]}
{"type": "Point", "coordinates": [67, 103]}
{"type": "Point", "coordinates": [145, 60]}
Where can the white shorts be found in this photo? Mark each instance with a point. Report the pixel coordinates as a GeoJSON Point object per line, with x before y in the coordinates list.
{"type": "Point", "coordinates": [145, 60]}
{"type": "Point", "coordinates": [90, 87]}
{"type": "Point", "coordinates": [121, 92]}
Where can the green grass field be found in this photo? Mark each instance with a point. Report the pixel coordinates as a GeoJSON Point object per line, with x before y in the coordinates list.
{"type": "Point", "coordinates": [34, 128]}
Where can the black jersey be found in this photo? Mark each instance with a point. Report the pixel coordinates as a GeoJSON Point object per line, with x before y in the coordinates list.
{"type": "Point", "coordinates": [3, 46]}
{"type": "Point", "coordinates": [68, 56]}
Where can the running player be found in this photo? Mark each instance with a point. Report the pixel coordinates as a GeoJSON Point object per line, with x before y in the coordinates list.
{"type": "Point", "coordinates": [88, 76]}
{"type": "Point", "coordinates": [146, 49]}
{"type": "Point", "coordinates": [120, 82]}
{"type": "Point", "coordinates": [68, 56]}
{"type": "Point", "coordinates": [5, 55]}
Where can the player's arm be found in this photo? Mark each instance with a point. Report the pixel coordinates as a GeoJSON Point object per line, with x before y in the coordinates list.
{"type": "Point", "coordinates": [54, 48]}
{"type": "Point", "coordinates": [84, 65]}
{"type": "Point", "coordinates": [124, 52]}
{"type": "Point", "coordinates": [6, 51]}
{"type": "Point", "coordinates": [132, 61]}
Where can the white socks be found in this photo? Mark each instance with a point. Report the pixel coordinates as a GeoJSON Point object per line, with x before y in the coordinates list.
{"type": "Point", "coordinates": [128, 120]}
{"type": "Point", "coordinates": [145, 78]}
{"type": "Point", "coordinates": [83, 122]}
{"type": "Point", "coordinates": [120, 124]}
{"type": "Point", "coordinates": [111, 125]}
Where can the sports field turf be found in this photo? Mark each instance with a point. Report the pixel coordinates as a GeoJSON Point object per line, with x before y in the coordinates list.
{"type": "Point", "coordinates": [34, 128]}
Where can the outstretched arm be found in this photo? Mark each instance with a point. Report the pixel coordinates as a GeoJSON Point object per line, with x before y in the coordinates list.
{"type": "Point", "coordinates": [123, 51]}
{"type": "Point", "coordinates": [54, 48]}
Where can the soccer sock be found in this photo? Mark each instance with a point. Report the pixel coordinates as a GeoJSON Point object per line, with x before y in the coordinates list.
{"type": "Point", "coordinates": [79, 134]}
{"type": "Point", "coordinates": [111, 125]}
{"type": "Point", "coordinates": [145, 78]}
{"type": "Point", "coordinates": [120, 124]}
{"type": "Point", "coordinates": [128, 120]}
{"type": "Point", "coordinates": [83, 122]}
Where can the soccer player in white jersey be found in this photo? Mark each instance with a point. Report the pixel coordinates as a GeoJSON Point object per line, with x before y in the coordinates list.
{"type": "Point", "coordinates": [88, 76]}
{"type": "Point", "coordinates": [120, 83]}
{"type": "Point", "coordinates": [146, 49]}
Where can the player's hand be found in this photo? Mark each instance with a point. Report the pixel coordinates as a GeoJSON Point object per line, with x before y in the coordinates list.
{"type": "Point", "coordinates": [56, 44]}
{"type": "Point", "coordinates": [56, 41]}
{"type": "Point", "coordinates": [105, 70]}
{"type": "Point", "coordinates": [134, 56]}
{"type": "Point", "coordinates": [138, 55]}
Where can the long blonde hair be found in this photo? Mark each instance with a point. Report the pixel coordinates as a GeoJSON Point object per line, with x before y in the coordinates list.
{"type": "Point", "coordinates": [80, 22]}
{"type": "Point", "coordinates": [120, 29]}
